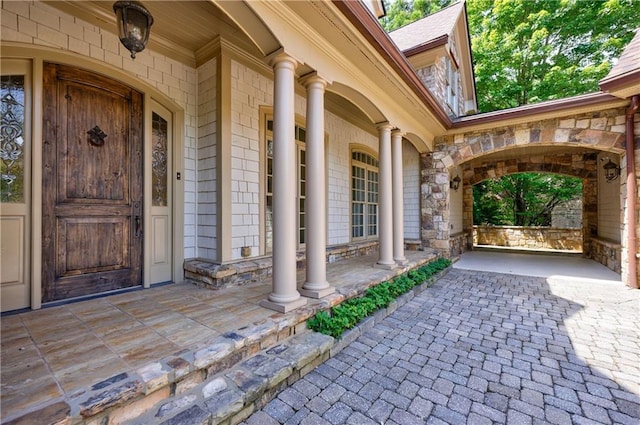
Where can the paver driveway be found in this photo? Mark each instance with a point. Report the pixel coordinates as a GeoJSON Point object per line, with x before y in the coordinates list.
{"type": "Point", "coordinates": [482, 348]}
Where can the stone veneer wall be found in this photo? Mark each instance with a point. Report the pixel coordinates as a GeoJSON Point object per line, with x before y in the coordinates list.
{"type": "Point", "coordinates": [569, 214]}
{"type": "Point", "coordinates": [459, 243]}
{"type": "Point", "coordinates": [211, 275]}
{"type": "Point", "coordinates": [557, 238]}
{"type": "Point", "coordinates": [434, 208]}
{"type": "Point", "coordinates": [607, 253]}
{"type": "Point", "coordinates": [434, 78]}
{"type": "Point", "coordinates": [602, 130]}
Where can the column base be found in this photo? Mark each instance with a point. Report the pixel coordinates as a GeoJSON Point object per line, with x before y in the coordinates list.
{"type": "Point", "coordinates": [283, 307]}
{"type": "Point", "coordinates": [385, 266]}
{"type": "Point", "coordinates": [401, 261]}
{"type": "Point", "coordinates": [317, 293]}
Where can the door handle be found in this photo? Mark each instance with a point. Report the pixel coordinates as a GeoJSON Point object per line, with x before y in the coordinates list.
{"type": "Point", "coordinates": [138, 226]}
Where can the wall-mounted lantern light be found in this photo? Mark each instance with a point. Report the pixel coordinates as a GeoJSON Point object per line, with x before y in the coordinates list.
{"type": "Point", "coordinates": [611, 171]}
{"type": "Point", "coordinates": [455, 183]}
{"type": "Point", "coordinates": [134, 25]}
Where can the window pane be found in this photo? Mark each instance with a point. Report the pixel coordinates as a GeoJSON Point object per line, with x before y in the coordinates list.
{"type": "Point", "coordinates": [269, 224]}
{"type": "Point", "coordinates": [357, 219]}
{"type": "Point", "coordinates": [364, 195]}
{"type": "Point", "coordinates": [270, 148]}
{"type": "Point", "coordinates": [12, 139]}
{"type": "Point", "coordinates": [302, 222]}
{"type": "Point", "coordinates": [159, 157]}
{"type": "Point", "coordinates": [372, 220]}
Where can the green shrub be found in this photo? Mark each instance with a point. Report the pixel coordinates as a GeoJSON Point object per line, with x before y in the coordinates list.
{"type": "Point", "coordinates": [348, 314]}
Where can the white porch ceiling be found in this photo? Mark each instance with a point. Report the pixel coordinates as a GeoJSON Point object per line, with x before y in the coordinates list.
{"type": "Point", "coordinates": [181, 29]}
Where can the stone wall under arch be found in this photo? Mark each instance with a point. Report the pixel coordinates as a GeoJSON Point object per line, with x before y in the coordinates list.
{"type": "Point", "coordinates": [583, 166]}
{"type": "Point", "coordinates": [591, 132]}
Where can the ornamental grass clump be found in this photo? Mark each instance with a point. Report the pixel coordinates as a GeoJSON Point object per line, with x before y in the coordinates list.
{"type": "Point", "coordinates": [348, 314]}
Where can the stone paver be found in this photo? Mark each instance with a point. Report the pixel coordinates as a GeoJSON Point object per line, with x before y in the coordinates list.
{"type": "Point", "coordinates": [483, 347]}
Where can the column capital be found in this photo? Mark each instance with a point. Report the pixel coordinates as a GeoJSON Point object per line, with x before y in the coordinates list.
{"type": "Point", "coordinates": [282, 58]}
{"type": "Point", "coordinates": [384, 126]}
{"type": "Point", "coordinates": [397, 132]}
{"type": "Point", "coordinates": [313, 78]}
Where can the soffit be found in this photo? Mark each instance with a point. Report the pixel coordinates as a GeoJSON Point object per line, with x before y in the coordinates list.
{"type": "Point", "coordinates": [180, 28]}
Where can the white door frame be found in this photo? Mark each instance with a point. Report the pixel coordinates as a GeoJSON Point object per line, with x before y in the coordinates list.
{"type": "Point", "coordinates": [38, 55]}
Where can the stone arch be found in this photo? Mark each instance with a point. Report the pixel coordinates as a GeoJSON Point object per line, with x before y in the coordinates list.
{"type": "Point", "coordinates": [575, 165]}
{"type": "Point", "coordinates": [603, 130]}
{"type": "Point", "coordinates": [581, 165]}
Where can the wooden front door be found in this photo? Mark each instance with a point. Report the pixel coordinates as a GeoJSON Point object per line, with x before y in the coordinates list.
{"type": "Point", "coordinates": [92, 184]}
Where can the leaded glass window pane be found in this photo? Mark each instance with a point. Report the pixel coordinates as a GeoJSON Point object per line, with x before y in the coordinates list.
{"type": "Point", "coordinates": [159, 136]}
{"type": "Point", "coordinates": [12, 138]}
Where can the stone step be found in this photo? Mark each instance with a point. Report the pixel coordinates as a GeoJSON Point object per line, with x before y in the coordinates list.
{"type": "Point", "coordinates": [126, 396]}
{"type": "Point", "coordinates": [223, 382]}
{"type": "Point", "coordinates": [232, 395]}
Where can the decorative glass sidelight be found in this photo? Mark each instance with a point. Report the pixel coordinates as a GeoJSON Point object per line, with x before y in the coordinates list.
{"type": "Point", "coordinates": [11, 138]}
{"type": "Point", "coordinates": [159, 160]}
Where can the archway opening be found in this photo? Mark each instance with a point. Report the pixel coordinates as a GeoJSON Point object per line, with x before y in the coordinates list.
{"type": "Point", "coordinates": [529, 211]}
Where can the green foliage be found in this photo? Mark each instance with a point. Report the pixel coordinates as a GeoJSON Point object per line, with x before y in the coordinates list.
{"type": "Point", "coordinates": [418, 276]}
{"type": "Point", "coordinates": [348, 314]}
{"type": "Point", "coordinates": [524, 199]}
{"type": "Point", "coordinates": [529, 51]}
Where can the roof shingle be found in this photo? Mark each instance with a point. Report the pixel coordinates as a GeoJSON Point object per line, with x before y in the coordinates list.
{"type": "Point", "coordinates": [629, 61]}
{"type": "Point", "coordinates": [428, 28]}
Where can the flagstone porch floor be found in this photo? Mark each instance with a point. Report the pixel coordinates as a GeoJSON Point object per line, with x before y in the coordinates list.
{"type": "Point", "coordinates": [61, 355]}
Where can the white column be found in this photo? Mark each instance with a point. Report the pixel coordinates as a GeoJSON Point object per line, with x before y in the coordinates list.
{"type": "Point", "coordinates": [316, 285]}
{"type": "Point", "coordinates": [385, 210]}
{"type": "Point", "coordinates": [285, 296]}
{"type": "Point", "coordinates": [398, 198]}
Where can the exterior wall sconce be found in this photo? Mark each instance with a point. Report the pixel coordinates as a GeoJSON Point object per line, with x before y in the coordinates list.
{"type": "Point", "coordinates": [611, 170]}
{"type": "Point", "coordinates": [134, 25]}
{"type": "Point", "coordinates": [455, 183]}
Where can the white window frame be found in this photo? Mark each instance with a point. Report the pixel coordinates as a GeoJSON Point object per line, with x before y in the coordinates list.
{"type": "Point", "coordinates": [452, 77]}
{"type": "Point", "coordinates": [301, 189]}
{"type": "Point", "coordinates": [368, 163]}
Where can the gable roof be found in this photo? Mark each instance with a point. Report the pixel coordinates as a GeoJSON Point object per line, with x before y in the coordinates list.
{"type": "Point", "coordinates": [624, 78]}
{"type": "Point", "coordinates": [429, 28]}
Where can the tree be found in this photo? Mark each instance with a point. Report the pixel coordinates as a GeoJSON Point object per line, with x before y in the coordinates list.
{"type": "Point", "coordinates": [524, 199]}
{"type": "Point", "coordinates": [528, 51]}
{"type": "Point", "coordinates": [404, 12]}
